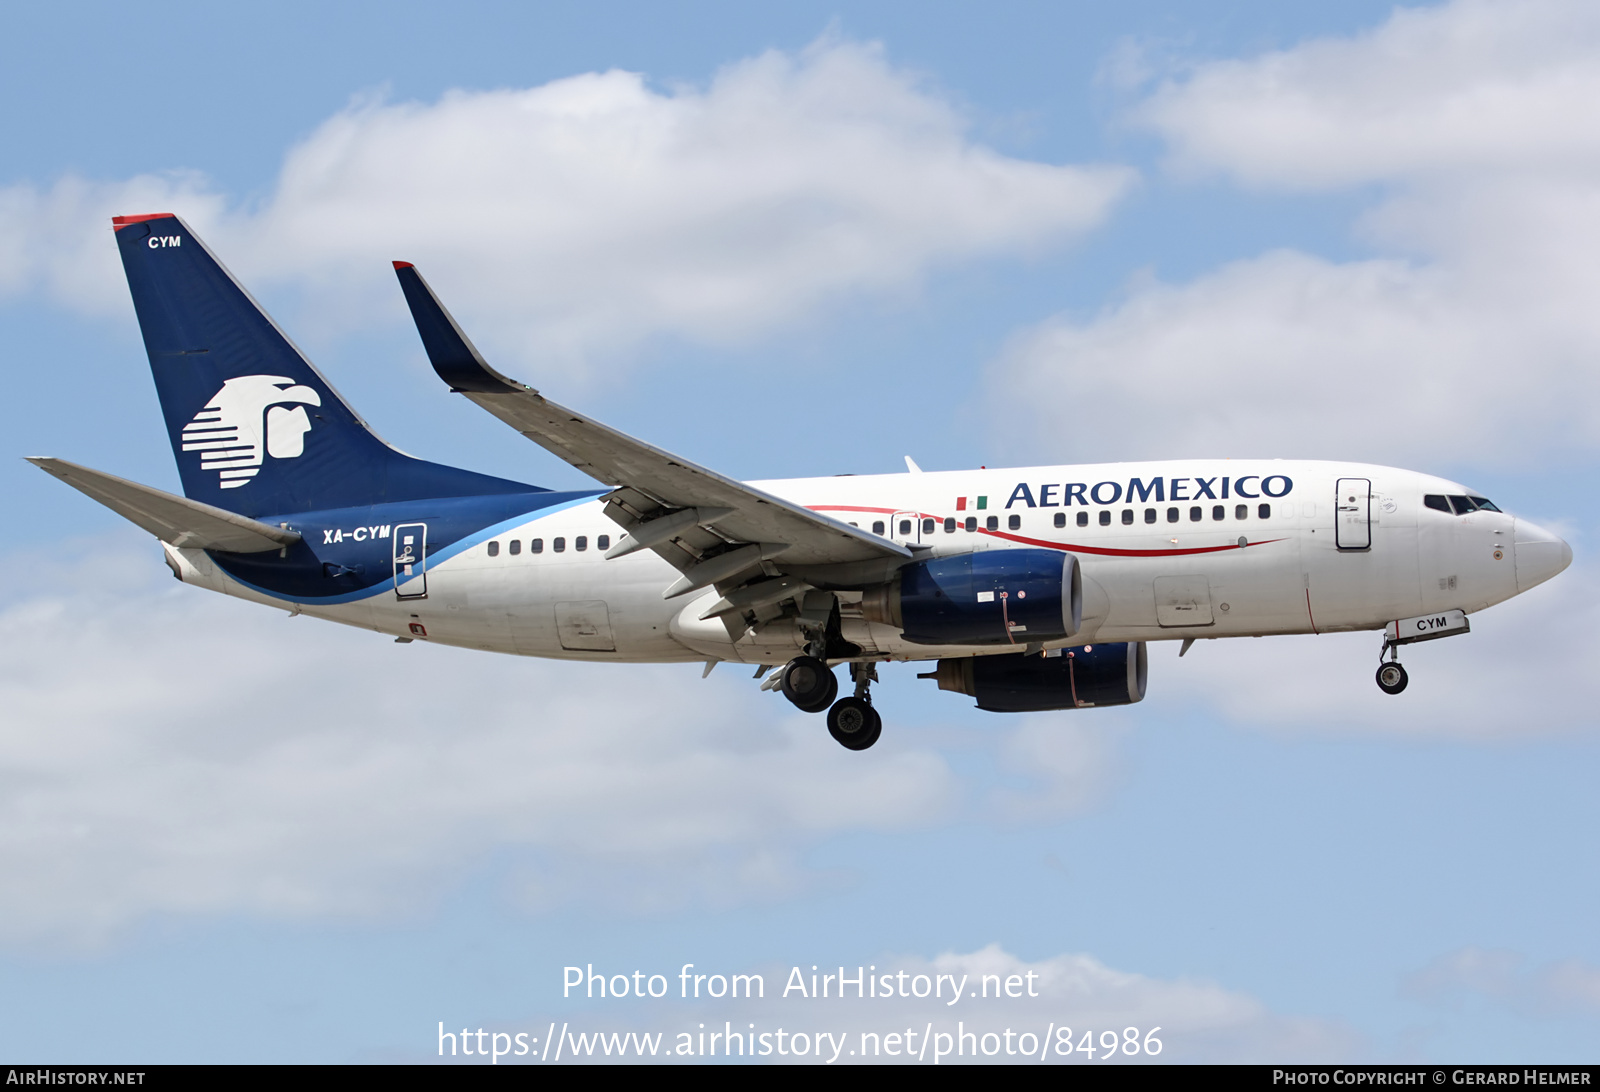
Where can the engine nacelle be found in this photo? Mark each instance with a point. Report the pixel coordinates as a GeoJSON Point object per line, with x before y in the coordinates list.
{"type": "Point", "coordinates": [1110, 674]}
{"type": "Point", "coordinates": [990, 597]}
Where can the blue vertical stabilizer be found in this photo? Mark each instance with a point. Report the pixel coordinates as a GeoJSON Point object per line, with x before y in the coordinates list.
{"type": "Point", "coordinates": [254, 426]}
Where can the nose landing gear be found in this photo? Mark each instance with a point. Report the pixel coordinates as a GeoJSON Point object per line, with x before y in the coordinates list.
{"type": "Point", "coordinates": [1392, 678]}
{"type": "Point", "coordinates": [1408, 631]}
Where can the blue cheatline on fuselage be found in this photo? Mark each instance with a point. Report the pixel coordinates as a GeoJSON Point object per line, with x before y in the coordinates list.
{"type": "Point", "coordinates": [346, 554]}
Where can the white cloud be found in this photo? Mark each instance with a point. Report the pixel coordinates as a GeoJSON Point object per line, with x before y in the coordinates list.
{"type": "Point", "coordinates": [1556, 988]}
{"type": "Point", "coordinates": [1469, 86]}
{"type": "Point", "coordinates": [1069, 763]}
{"type": "Point", "coordinates": [1044, 1004]}
{"type": "Point", "coordinates": [58, 240]}
{"type": "Point", "coordinates": [1471, 337]}
{"type": "Point", "coordinates": [588, 213]}
{"type": "Point", "coordinates": [171, 752]}
{"type": "Point", "coordinates": [176, 753]}
{"type": "Point", "coordinates": [180, 753]}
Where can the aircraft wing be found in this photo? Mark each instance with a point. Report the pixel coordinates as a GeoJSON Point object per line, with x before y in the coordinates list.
{"type": "Point", "coordinates": [178, 520]}
{"type": "Point", "coordinates": [668, 503]}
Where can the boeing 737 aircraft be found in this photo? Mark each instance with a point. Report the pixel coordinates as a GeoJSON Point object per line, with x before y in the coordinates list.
{"type": "Point", "coordinates": [1027, 589]}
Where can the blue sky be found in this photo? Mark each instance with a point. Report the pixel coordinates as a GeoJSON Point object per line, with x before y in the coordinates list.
{"type": "Point", "coordinates": [1053, 233]}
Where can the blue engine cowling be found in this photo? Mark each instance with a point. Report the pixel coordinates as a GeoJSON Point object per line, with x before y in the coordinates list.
{"type": "Point", "coordinates": [1077, 678]}
{"type": "Point", "coordinates": [990, 597]}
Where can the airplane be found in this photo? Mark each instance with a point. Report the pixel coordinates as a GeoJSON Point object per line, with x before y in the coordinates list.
{"type": "Point", "coordinates": [1027, 589]}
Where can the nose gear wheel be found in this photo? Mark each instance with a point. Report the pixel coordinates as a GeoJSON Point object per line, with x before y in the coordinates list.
{"type": "Point", "coordinates": [1392, 678]}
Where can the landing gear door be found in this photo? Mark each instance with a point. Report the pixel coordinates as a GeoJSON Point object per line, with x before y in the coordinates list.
{"type": "Point", "coordinates": [411, 561]}
{"type": "Point", "coordinates": [1352, 506]}
{"type": "Point", "coordinates": [906, 528]}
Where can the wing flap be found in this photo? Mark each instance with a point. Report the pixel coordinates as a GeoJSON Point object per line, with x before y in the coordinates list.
{"type": "Point", "coordinates": [178, 520]}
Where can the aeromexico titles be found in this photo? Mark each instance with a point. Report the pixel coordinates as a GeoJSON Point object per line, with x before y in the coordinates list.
{"type": "Point", "coordinates": [1028, 589]}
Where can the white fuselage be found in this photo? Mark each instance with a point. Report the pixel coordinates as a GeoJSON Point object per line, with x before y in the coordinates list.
{"type": "Point", "coordinates": [1266, 555]}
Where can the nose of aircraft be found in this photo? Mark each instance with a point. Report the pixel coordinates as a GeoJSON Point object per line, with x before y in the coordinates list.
{"type": "Point", "coordinates": [1539, 554]}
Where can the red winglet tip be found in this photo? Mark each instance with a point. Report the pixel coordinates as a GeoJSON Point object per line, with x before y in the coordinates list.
{"type": "Point", "coordinates": [403, 265]}
{"type": "Point", "coordinates": [123, 221]}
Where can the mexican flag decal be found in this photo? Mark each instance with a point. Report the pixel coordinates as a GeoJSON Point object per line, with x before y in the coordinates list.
{"type": "Point", "coordinates": [961, 504]}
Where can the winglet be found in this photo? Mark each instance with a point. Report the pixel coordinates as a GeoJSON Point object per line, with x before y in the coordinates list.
{"type": "Point", "coordinates": [452, 355]}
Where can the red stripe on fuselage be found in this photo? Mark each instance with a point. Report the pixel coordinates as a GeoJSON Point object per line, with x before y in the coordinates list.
{"type": "Point", "coordinates": [1067, 547]}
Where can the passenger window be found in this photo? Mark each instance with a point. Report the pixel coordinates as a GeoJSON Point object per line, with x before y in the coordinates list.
{"type": "Point", "coordinates": [1061, 518]}
{"type": "Point", "coordinates": [603, 542]}
{"type": "Point", "coordinates": [877, 527]}
{"type": "Point", "coordinates": [1437, 503]}
{"type": "Point", "coordinates": [514, 546]}
{"type": "Point", "coordinates": [1149, 515]}
{"type": "Point", "coordinates": [1105, 517]}
{"type": "Point", "coordinates": [1014, 522]}
{"type": "Point", "coordinates": [1218, 512]}
{"type": "Point", "coordinates": [1241, 511]}
{"type": "Point", "coordinates": [581, 542]}
{"type": "Point", "coordinates": [992, 523]}
{"type": "Point", "coordinates": [1172, 515]}
{"type": "Point", "coordinates": [972, 523]}
{"type": "Point", "coordinates": [536, 546]}
{"type": "Point", "coordinates": [927, 526]}
{"type": "Point", "coordinates": [1127, 517]}
{"type": "Point", "coordinates": [949, 525]}
{"type": "Point", "coordinates": [905, 527]}
{"type": "Point", "coordinates": [559, 545]}
{"type": "Point", "coordinates": [1195, 513]}
{"type": "Point", "coordinates": [1264, 511]}
{"type": "Point", "coordinates": [1083, 519]}
{"type": "Point", "coordinates": [494, 549]}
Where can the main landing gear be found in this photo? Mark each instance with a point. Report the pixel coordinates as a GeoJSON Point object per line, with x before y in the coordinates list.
{"type": "Point", "coordinates": [811, 685]}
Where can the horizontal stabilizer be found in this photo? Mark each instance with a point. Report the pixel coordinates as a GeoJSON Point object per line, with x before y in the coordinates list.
{"type": "Point", "coordinates": [178, 520]}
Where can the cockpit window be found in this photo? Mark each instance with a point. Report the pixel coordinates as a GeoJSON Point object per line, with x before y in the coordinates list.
{"type": "Point", "coordinates": [1458, 504]}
